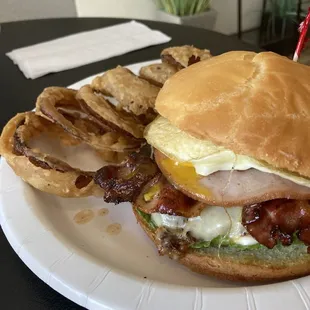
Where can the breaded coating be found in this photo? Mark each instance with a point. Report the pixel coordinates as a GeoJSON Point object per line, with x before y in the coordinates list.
{"type": "Point", "coordinates": [133, 93]}
{"type": "Point", "coordinates": [158, 74]}
{"type": "Point", "coordinates": [184, 56]}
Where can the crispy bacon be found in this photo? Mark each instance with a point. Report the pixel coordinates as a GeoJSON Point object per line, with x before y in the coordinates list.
{"type": "Point", "coordinates": [166, 199]}
{"type": "Point", "coordinates": [268, 222]}
{"type": "Point", "coordinates": [277, 220]}
{"type": "Point", "coordinates": [124, 182]}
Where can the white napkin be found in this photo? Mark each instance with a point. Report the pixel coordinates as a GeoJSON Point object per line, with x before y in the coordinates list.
{"type": "Point", "coordinates": [84, 48]}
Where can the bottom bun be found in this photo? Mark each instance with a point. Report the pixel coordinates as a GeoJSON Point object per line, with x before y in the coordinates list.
{"type": "Point", "coordinates": [264, 265]}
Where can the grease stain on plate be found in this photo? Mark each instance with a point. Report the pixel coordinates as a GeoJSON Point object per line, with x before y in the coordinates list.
{"type": "Point", "coordinates": [84, 216]}
{"type": "Point", "coordinates": [103, 212]}
{"type": "Point", "coordinates": [114, 229]}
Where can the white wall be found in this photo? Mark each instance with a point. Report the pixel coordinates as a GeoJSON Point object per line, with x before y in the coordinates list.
{"type": "Point", "coordinates": [142, 9]}
{"type": "Point", "coordinates": [12, 10]}
{"type": "Point", "coordinates": [227, 19]}
{"type": "Point", "coordinates": [146, 9]}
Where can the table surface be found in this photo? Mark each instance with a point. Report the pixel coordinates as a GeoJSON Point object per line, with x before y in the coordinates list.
{"type": "Point", "coordinates": [19, 287]}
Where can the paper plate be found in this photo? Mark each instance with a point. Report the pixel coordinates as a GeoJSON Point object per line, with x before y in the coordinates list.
{"type": "Point", "coordinates": [109, 263]}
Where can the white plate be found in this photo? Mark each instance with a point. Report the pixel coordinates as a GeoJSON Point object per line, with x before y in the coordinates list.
{"type": "Point", "coordinates": [102, 271]}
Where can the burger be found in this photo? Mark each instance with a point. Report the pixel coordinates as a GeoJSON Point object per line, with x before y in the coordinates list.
{"type": "Point", "coordinates": [232, 142]}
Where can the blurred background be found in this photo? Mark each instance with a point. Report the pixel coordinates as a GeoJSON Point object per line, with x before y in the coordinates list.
{"type": "Point", "coordinates": [270, 24]}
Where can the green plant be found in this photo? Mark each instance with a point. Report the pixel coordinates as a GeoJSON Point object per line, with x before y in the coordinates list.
{"type": "Point", "coordinates": [183, 7]}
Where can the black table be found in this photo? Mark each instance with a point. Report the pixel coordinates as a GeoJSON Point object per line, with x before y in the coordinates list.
{"type": "Point", "coordinates": [19, 287]}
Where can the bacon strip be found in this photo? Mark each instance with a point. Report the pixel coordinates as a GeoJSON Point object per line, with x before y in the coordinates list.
{"type": "Point", "coordinates": [124, 183]}
{"type": "Point", "coordinates": [167, 199]}
{"type": "Point", "coordinates": [268, 222]}
{"type": "Point", "coordinates": [276, 221]}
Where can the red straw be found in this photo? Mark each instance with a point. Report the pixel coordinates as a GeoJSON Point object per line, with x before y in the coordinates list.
{"type": "Point", "coordinates": [303, 28]}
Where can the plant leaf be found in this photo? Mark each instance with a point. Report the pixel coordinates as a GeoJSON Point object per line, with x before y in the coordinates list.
{"type": "Point", "coordinates": [184, 7]}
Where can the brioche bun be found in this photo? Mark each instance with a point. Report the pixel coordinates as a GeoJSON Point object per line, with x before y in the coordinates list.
{"type": "Point", "coordinates": [260, 265]}
{"type": "Point", "coordinates": [253, 104]}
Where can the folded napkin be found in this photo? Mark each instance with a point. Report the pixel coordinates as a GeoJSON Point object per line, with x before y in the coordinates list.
{"type": "Point", "coordinates": [84, 48]}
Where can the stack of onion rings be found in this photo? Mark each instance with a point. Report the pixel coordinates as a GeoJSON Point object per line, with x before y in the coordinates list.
{"type": "Point", "coordinates": [72, 117]}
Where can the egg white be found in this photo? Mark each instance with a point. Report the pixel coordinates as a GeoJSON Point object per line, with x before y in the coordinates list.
{"type": "Point", "coordinates": [205, 156]}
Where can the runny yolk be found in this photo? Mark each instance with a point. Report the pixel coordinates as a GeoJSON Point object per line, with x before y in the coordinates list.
{"type": "Point", "coordinates": [184, 174]}
{"type": "Point", "coordinates": [184, 164]}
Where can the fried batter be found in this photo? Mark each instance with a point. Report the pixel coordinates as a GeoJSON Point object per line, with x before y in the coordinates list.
{"type": "Point", "coordinates": [61, 106]}
{"type": "Point", "coordinates": [43, 171]}
{"type": "Point", "coordinates": [99, 105]}
{"type": "Point", "coordinates": [133, 93]}
{"type": "Point", "coordinates": [158, 74]}
{"type": "Point", "coordinates": [184, 56]}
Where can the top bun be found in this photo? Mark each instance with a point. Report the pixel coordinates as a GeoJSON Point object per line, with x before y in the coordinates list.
{"type": "Point", "coordinates": [253, 104]}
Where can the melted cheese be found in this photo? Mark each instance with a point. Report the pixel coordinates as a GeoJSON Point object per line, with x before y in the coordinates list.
{"type": "Point", "coordinates": [212, 222]}
{"type": "Point", "coordinates": [205, 156]}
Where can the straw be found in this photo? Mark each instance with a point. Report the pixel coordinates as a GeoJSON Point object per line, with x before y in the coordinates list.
{"type": "Point", "coordinates": [303, 28]}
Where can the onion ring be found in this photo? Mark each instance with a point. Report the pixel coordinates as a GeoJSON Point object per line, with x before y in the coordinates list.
{"type": "Point", "coordinates": [100, 106]}
{"type": "Point", "coordinates": [61, 106]}
{"type": "Point", "coordinates": [40, 170]}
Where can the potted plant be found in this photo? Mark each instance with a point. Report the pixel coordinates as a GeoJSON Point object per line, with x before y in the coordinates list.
{"type": "Point", "coordinates": [196, 13]}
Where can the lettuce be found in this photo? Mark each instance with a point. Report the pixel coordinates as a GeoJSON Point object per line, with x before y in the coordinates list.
{"type": "Point", "coordinates": [222, 241]}
{"type": "Point", "coordinates": [147, 218]}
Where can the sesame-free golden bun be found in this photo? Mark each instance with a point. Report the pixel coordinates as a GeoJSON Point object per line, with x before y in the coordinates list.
{"type": "Point", "coordinates": [255, 104]}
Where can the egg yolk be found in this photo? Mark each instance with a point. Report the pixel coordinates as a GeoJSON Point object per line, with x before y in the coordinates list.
{"type": "Point", "coordinates": [185, 174]}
